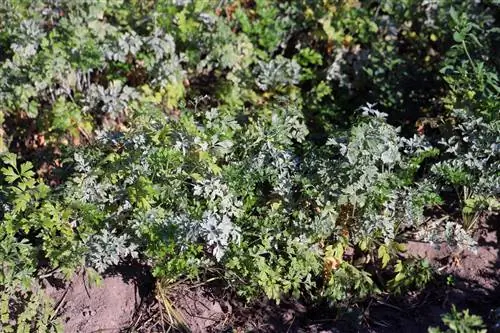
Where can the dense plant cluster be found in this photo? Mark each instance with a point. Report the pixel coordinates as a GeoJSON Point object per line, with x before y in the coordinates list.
{"type": "Point", "coordinates": [289, 148]}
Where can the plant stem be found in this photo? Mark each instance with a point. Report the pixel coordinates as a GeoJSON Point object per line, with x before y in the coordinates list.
{"type": "Point", "coordinates": [468, 56]}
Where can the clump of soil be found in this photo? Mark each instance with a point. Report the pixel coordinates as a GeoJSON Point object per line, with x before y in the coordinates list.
{"type": "Point", "coordinates": [105, 308]}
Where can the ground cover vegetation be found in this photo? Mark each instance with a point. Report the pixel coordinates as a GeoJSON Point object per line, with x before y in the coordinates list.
{"type": "Point", "coordinates": [285, 148]}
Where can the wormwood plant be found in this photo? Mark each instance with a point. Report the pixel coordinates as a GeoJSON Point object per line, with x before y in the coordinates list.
{"type": "Point", "coordinates": [470, 139]}
{"type": "Point", "coordinates": [233, 139]}
{"type": "Point", "coordinates": [470, 171]}
{"type": "Point", "coordinates": [209, 193]}
{"type": "Point", "coordinates": [70, 66]}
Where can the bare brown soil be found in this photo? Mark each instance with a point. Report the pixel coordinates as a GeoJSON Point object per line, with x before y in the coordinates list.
{"type": "Point", "coordinates": [105, 308]}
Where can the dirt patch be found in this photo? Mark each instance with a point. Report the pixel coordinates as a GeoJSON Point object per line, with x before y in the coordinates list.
{"type": "Point", "coordinates": [479, 269]}
{"type": "Point", "coordinates": [84, 308]}
{"type": "Point", "coordinates": [200, 311]}
{"type": "Point", "coordinates": [469, 280]}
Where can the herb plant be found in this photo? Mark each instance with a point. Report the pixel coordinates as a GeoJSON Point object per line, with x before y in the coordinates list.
{"type": "Point", "coordinates": [287, 148]}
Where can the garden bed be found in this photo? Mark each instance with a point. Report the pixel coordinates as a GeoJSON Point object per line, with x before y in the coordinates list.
{"type": "Point", "coordinates": [249, 165]}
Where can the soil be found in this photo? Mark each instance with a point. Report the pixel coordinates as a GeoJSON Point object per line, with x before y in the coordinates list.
{"type": "Point", "coordinates": [104, 308]}
{"type": "Point", "coordinates": [124, 302]}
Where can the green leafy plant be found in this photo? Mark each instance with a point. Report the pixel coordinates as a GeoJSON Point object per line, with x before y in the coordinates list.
{"type": "Point", "coordinates": [289, 149]}
{"type": "Point", "coordinates": [23, 306]}
{"type": "Point", "coordinates": [471, 136]}
{"type": "Point", "coordinates": [460, 322]}
{"type": "Point", "coordinates": [413, 273]}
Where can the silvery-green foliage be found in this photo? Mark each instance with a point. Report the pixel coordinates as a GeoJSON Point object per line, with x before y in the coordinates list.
{"type": "Point", "coordinates": [269, 148]}
{"type": "Point", "coordinates": [215, 230]}
{"type": "Point", "coordinates": [88, 188]}
{"type": "Point", "coordinates": [162, 45]}
{"type": "Point", "coordinates": [474, 154]}
{"type": "Point", "coordinates": [186, 229]}
{"type": "Point", "coordinates": [285, 126]}
{"type": "Point", "coordinates": [369, 159]}
{"type": "Point", "coordinates": [234, 184]}
{"type": "Point", "coordinates": [218, 147]}
{"type": "Point", "coordinates": [113, 99]}
{"type": "Point", "coordinates": [369, 110]}
{"type": "Point", "coordinates": [375, 144]}
{"type": "Point", "coordinates": [127, 44]}
{"type": "Point", "coordinates": [276, 165]}
{"type": "Point", "coordinates": [470, 169]}
{"type": "Point", "coordinates": [181, 3]}
{"type": "Point", "coordinates": [219, 232]}
{"type": "Point", "coordinates": [403, 209]}
{"type": "Point", "coordinates": [106, 249]}
{"type": "Point", "coordinates": [217, 121]}
{"type": "Point", "coordinates": [208, 19]}
{"type": "Point", "coordinates": [411, 204]}
{"type": "Point", "coordinates": [223, 49]}
{"type": "Point", "coordinates": [216, 226]}
{"type": "Point", "coordinates": [277, 73]}
{"type": "Point", "coordinates": [431, 9]}
{"type": "Point", "coordinates": [218, 197]}
{"type": "Point", "coordinates": [335, 71]}
{"type": "Point", "coordinates": [165, 66]}
{"type": "Point", "coordinates": [28, 36]}
{"type": "Point", "coordinates": [414, 145]}
{"type": "Point", "coordinates": [66, 45]}
{"type": "Point", "coordinates": [178, 223]}
{"type": "Point", "coordinates": [323, 224]}
{"type": "Point", "coordinates": [81, 165]}
{"type": "Point", "coordinates": [370, 154]}
{"type": "Point", "coordinates": [451, 233]}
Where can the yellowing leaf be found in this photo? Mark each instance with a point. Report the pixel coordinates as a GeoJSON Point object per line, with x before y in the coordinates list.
{"type": "Point", "coordinates": [384, 255]}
